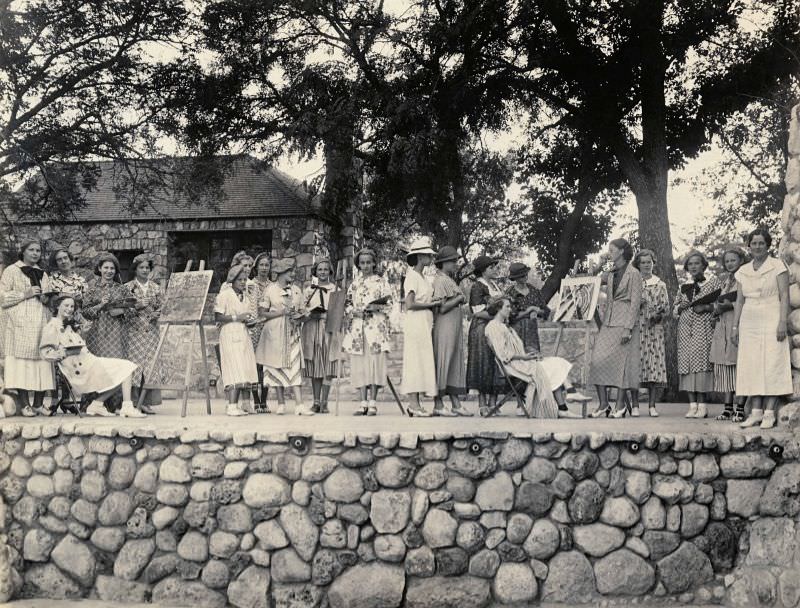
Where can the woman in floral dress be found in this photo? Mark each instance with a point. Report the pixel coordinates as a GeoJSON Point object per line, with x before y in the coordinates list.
{"type": "Point", "coordinates": [482, 373]}
{"type": "Point", "coordinates": [142, 326]}
{"type": "Point", "coordinates": [367, 336]}
{"type": "Point", "coordinates": [280, 349]}
{"type": "Point", "coordinates": [105, 304]}
{"type": "Point", "coordinates": [695, 331]}
{"type": "Point", "coordinates": [527, 306]}
{"type": "Point", "coordinates": [262, 266]}
{"type": "Point", "coordinates": [652, 312]}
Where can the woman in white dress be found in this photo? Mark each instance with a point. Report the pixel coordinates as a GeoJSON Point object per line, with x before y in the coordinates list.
{"type": "Point", "coordinates": [763, 367]}
{"type": "Point", "coordinates": [280, 349]}
{"type": "Point", "coordinates": [546, 377]}
{"type": "Point", "coordinates": [238, 361]}
{"type": "Point", "coordinates": [419, 369]}
{"type": "Point", "coordinates": [85, 372]}
{"type": "Point", "coordinates": [21, 292]}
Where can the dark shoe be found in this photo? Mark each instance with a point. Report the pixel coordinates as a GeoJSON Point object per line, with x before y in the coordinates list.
{"type": "Point", "coordinates": [146, 409]}
{"type": "Point", "coordinates": [323, 408]}
{"type": "Point", "coordinates": [726, 414]}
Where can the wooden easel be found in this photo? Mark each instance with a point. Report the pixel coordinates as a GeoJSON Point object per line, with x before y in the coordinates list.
{"type": "Point", "coordinates": [184, 388]}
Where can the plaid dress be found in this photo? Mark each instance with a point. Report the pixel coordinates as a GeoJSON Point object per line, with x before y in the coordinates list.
{"type": "Point", "coordinates": [106, 336]}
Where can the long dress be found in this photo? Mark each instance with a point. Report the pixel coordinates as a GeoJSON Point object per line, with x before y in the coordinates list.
{"type": "Point", "coordinates": [695, 331]}
{"type": "Point", "coordinates": [235, 348]}
{"type": "Point", "coordinates": [724, 351]}
{"type": "Point", "coordinates": [367, 338]}
{"type": "Point", "coordinates": [655, 306]}
{"type": "Point", "coordinates": [142, 332]}
{"type": "Point", "coordinates": [106, 336]}
{"type": "Point", "coordinates": [482, 373]}
{"type": "Point", "coordinates": [763, 364]}
{"type": "Point", "coordinates": [448, 339]}
{"type": "Point", "coordinates": [24, 321]}
{"type": "Point", "coordinates": [255, 291]}
{"type": "Point", "coordinates": [526, 327]}
{"type": "Point", "coordinates": [419, 369]}
{"type": "Point", "coordinates": [539, 400]}
{"type": "Point", "coordinates": [614, 363]}
{"type": "Point", "coordinates": [280, 350]}
{"type": "Point", "coordinates": [314, 335]}
{"type": "Point", "coordinates": [86, 372]}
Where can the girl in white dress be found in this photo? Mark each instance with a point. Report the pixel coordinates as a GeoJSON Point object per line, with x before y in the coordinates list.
{"type": "Point", "coordinates": [419, 369]}
{"type": "Point", "coordinates": [85, 372]}
{"type": "Point", "coordinates": [763, 367]}
{"type": "Point", "coordinates": [233, 313]}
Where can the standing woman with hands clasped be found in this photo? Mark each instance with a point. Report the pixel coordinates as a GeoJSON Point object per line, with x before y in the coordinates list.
{"type": "Point", "coordinates": [419, 370]}
{"type": "Point", "coordinates": [763, 368]}
{"type": "Point", "coordinates": [21, 288]}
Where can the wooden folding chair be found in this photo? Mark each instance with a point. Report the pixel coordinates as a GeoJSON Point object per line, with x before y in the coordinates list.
{"type": "Point", "coordinates": [511, 381]}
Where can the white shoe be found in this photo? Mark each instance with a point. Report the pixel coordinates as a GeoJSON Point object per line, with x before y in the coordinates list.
{"type": "Point", "coordinates": [568, 414]}
{"type": "Point", "coordinates": [303, 410]}
{"type": "Point", "coordinates": [129, 411]}
{"type": "Point", "coordinates": [702, 411]}
{"type": "Point", "coordinates": [653, 412]}
{"type": "Point", "coordinates": [755, 417]}
{"type": "Point", "coordinates": [521, 412]}
{"type": "Point", "coordinates": [769, 420]}
{"type": "Point", "coordinates": [577, 396]}
{"type": "Point", "coordinates": [281, 409]}
{"type": "Point", "coordinates": [692, 413]}
{"type": "Point", "coordinates": [634, 412]}
{"type": "Point", "coordinates": [233, 409]}
{"type": "Point", "coordinates": [97, 408]}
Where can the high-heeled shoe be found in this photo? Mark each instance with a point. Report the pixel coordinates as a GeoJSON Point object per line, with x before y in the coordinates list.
{"type": "Point", "coordinates": [418, 412]}
{"type": "Point", "coordinates": [620, 413]}
{"type": "Point", "coordinates": [599, 413]}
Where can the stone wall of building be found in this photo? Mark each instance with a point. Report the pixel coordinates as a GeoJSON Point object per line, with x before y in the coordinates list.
{"type": "Point", "coordinates": [252, 519]}
{"type": "Point", "coordinates": [790, 245]}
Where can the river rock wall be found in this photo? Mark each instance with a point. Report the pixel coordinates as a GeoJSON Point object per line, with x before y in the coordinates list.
{"type": "Point", "coordinates": [425, 520]}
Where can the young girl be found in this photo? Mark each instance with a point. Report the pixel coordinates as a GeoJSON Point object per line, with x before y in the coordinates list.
{"type": "Point", "coordinates": [232, 312]}
{"type": "Point", "coordinates": [86, 372]}
{"type": "Point", "coordinates": [280, 349]}
{"type": "Point", "coordinates": [315, 339]}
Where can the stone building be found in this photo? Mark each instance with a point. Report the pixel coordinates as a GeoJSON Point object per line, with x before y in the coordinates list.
{"type": "Point", "coordinates": [259, 208]}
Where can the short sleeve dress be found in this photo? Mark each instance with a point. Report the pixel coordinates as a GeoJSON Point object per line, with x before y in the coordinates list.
{"type": "Point", "coordinates": [280, 350]}
{"type": "Point", "coordinates": [482, 372]}
{"type": "Point", "coordinates": [419, 370]}
{"type": "Point", "coordinates": [695, 331]}
{"type": "Point", "coordinates": [526, 327]}
{"type": "Point", "coordinates": [238, 361]}
{"type": "Point", "coordinates": [654, 309]}
{"type": "Point", "coordinates": [448, 339]}
{"type": "Point", "coordinates": [763, 366]}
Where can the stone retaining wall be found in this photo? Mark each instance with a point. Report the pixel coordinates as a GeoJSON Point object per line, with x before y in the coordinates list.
{"type": "Point", "coordinates": [424, 520]}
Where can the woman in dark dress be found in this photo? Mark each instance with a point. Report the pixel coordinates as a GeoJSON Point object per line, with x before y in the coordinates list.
{"type": "Point", "coordinates": [527, 306]}
{"type": "Point", "coordinates": [482, 373]}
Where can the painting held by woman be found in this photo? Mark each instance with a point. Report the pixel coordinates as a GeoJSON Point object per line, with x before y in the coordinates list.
{"type": "Point", "coordinates": [316, 349]}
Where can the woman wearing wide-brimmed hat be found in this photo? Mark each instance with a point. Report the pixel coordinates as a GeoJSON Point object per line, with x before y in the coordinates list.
{"type": "Point", "coordinates": [318, 366]}
{"type": "Point", "coordinates": [527, 306]}
{"type": "Point", "coordinates": [367, 331]}
{"type": "Point", "coordinates": [142, 326]}
{"type": "Point", "coordinates": [695, 332]}
{"type": "Point", "coordinates": [21, 288]}
{"type": "Point", "coordinates": [448, 336]}
{"type": "Point", "coordinates": [419, 371]}
{"type": "Point", "coordinates": [280, 349]}
{"type": "Point", "coordinates": [482, 372]}
{"type": "Point", "coordinates": [233, 313]}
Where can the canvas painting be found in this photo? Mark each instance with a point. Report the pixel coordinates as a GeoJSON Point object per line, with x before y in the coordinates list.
{"type": "Point", "coordinates": [577, 299]}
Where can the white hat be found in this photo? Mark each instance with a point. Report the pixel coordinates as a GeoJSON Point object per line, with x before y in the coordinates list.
{"type": "Point", "coordinates": [421, 245]}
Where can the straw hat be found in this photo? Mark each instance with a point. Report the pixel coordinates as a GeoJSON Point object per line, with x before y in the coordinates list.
{"type": "Point", "coordinates": [422, 245]}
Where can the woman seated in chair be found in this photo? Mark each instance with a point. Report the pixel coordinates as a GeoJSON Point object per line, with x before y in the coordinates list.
{"type": "Point", "coordinates": [85, 372]}
{"type": "Point", "coordinates": [546, 377]}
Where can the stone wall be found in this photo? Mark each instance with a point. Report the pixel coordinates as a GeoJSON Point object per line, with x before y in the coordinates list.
{"type": "Point", "coordinates": [255, 519]}
{"type": "Point", "coordinates": [790, 244]}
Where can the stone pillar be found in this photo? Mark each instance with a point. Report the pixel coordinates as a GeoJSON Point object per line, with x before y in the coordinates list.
{"type": "Point", "coordinates": [790, 252]}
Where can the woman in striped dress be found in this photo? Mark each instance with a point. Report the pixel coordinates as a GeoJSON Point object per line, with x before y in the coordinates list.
{"type": "Point", "coordinates": [232, 312]}
{"type": "Point", "coordinates": [280, 347]}
{"type": "Point", "coordinates": [262, 267]}
{"type": "Point", "coordinates": [653, 310]}
{"type": "Point", "coordinates": [315, 339]}
{"type": "Point", "coordinates": [142, 327]}
{"type": "Point", "coordinates": [723, 349]}
{"type": "Point", "coordinates": [695, 330]}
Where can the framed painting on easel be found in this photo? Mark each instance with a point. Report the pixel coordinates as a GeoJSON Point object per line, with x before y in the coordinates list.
{"type": "Point", "coordinates": [577, 298]}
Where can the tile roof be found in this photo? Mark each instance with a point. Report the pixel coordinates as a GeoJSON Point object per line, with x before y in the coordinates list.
{"type": "Point", "coordinates": [250, 188]}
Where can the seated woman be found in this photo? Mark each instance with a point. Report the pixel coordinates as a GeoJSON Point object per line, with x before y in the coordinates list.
{"type": "Point", "coordinates": [546, 377]}
{"type": "Point", "coordinates": [85, 372]}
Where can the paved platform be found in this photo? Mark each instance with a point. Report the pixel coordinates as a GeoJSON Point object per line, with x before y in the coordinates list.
{"type": "Point", "coordinates": [389, 419]}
